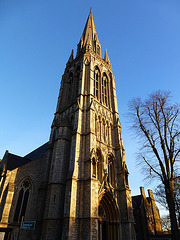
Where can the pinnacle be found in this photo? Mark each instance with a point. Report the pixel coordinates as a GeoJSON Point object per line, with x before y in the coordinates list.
{"type": "Point", "coordinates": [71, 58]}
{"type": "Point", "coordinates": [106, 58]}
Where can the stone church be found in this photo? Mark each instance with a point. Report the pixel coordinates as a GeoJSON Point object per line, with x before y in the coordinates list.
{"type": "Point", "coordinates": [75, 186]}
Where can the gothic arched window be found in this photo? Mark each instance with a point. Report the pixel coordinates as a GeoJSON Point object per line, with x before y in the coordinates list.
{"type": "Point", "coordinates": [111, 93]}
{"type": "Point", "coordinates": [111, 170]}
{"type": "Point", "coordinates": [96, 83]}
{"type": "Point", "coordinates": [22, 201]}
{"type": "Point", "coordinates": [94, 167]}
{"type": "Point", "coordinates": [105, 90]}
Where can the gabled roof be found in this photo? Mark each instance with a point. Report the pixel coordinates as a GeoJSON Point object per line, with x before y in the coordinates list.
{"type": "Point", "coordinates": [37, 153]}
{"type": "Point", "coordinates": [14, 161]}
{"type": "Point", "coordinates": [136, 200]}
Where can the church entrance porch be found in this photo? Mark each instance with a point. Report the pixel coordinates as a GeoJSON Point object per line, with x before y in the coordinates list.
{"type": "Point", "coordinates": [108, 218]}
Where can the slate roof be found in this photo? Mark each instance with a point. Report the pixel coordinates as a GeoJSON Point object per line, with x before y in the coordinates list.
{"type": "Point", "coordinates": [136, 200]}
{"type": "Point", "coordinates": [37, 153]}
{"type": "Point", "coordinates": [15, 161]}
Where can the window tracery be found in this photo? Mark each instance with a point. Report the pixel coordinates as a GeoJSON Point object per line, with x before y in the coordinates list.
{"type": "Point", "coordinates": [105, 90]}
{"type": "Point", "coordinates": [22, 201]}
{"type": "Point", "coordinates": [101, 87]}
{"type": "Point", "coordinates": [96, 83]}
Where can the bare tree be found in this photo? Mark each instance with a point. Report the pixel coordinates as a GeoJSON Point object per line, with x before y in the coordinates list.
{"type": "Point", "coordinates": [166, 224]}
{"type": "Point", "coordinates": [160, 196]}
{"type": "Point", "coordinates": [156, 124]}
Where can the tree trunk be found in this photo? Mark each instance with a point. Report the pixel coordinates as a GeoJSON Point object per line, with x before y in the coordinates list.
{"type": "Point", "coordinates": [172, 211]}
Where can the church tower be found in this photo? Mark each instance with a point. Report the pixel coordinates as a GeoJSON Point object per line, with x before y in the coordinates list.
{"type": "Point", "coordinates": [88, 194]}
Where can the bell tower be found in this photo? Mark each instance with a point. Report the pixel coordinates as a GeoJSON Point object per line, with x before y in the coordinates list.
{"type": "Point", "coordinates": [88, 193]}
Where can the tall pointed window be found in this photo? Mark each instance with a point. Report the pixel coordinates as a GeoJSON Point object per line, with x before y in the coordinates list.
{"type": "Point", "coordinates": [96, 83]}
{"type": "Point", "coordinates": [22, 201]}
{"type": "Point", "coordinates": [94, 167]}
{"type": "Point", "coordinates": [105, 90]}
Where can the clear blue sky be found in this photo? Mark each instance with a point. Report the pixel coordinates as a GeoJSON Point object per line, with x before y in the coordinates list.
{"type": "Point", "coordinates": [36, 39]}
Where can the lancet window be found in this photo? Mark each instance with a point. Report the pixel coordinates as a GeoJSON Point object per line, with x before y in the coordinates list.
{"type": "Point", "coordinates": [97, 83]}
{"type": "Point", "coordinates": [105, 90]}
{"type": "Point", "coordinates": [94, 167]}
{"type": "Point", "coordinates": [22, 201]}
{"type": "Point", "coordinates": [101, 87]}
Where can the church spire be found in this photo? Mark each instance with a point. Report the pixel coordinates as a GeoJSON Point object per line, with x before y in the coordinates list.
{"type": "Point", "coordinates": [89, 38]}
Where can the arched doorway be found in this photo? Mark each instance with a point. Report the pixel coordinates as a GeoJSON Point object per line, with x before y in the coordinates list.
{"type": "Point", "coordinates": [108, 218]}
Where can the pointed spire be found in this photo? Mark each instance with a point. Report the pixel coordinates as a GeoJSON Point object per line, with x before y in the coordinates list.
{"type": "Point", "coordinates": [89, 38]}
{"type": "Point", "coordinates": [106, 58]}
{"type": "Point", "coordinates": [71, 58]}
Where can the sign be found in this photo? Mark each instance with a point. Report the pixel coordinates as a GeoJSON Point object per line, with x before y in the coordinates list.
{"type": "Point", "coordinates": [28, 225]}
